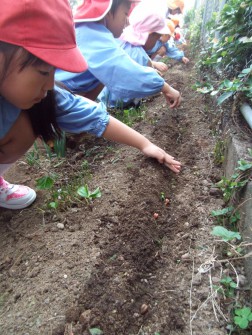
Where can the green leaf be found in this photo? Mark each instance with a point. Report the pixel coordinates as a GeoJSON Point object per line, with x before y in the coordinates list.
{"type": "Point", "coordinates": [53, 205]}
{"type": "Point", "coordinates": [244, 165]}
{"type": "Point", "coordinates": [228, 83]}
{"type": "Point", "coordinates": [223, 211]}
{"type": "Point", "coordinates": [224, 97]}
{"type": "Point", "coordinates": [245, 311]}
{"type": "Point", "coordinates": [96, 193]}
{"type": "Point", "coordinates": [44, 183]}
{"type": "Point", "coordinates": [234, 218]}
{"type": "Point", "coordinates": [83, 191]}
{"type": "Point", "coordinates": [247, 70]}
{"type": "Point", "coordinates": [226, 235]}
{"type": "Point", "coordinates": [241, 322]}
{"type": "Point", "coordinates": [95, 331]}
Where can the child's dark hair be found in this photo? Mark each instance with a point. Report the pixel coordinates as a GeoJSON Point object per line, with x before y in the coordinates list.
{"type": "Point", "coordinates": [174, 11]}
{"type": "Point", "coordinates": [42, 114]}
{"type": "Point", "coordinates": [43, 120]}
{"type": "Point", "coordinates": [117, 3]}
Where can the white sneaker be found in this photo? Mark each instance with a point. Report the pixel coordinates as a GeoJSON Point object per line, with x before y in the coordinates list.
{"type": "Point", "coordinates": [15, 196]}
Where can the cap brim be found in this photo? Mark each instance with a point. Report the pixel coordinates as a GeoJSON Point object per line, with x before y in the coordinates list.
{"type": "Point", "coordinates": [164, 31]}
{"type": "Point", "coordinates": [70, 60]}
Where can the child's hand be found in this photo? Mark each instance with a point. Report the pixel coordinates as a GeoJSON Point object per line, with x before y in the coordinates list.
{"type": "Point", "coordinates": [185, 60]}
{"type": "Point", "coordinates": [172, 96]}
{"type": "Point", "coordinates": [160, 66]}
{"type": "Point", "coordinates": [151, 150]}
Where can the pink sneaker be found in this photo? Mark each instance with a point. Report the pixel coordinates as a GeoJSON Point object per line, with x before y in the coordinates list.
{"type": "Point", "coordinates": [15, 196]}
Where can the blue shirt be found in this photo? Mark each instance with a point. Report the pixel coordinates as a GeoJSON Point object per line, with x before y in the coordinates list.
{"type": "Point", "coordinates": [110, 65]}
{"type": "Point", "coordinates": [171, 50]}
{"type": "Point", "coordinates": [74, 114]}
{"type": "Point", "coordinates": [139, 55]}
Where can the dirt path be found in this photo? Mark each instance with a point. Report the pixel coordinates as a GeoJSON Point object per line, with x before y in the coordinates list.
{"type": "Point", "coordinates": [112, 265]}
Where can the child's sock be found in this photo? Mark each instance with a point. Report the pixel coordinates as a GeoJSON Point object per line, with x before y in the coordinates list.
{"type": "Point", "coordinates": [3, 168]}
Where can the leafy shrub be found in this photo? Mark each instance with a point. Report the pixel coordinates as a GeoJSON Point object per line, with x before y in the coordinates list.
{"type": "Point", "coordinates": [229, 55]}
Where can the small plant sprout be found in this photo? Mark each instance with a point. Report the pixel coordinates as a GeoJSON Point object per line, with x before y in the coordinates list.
{"type": "Point", "coordinates": [243, 316]}
{"type": "Point", "coordinates": [162, 196]}
{"type": "Point", "coordinates": [129, 116]}
{"type": "Point", "coordinates": [228, 286]}
{"type": "Point", "coordinates": [84, 192]}
{"type": "Point", "coordinates": [60, 145]}
{"type": "Point", "coordinates": [45, 183]}
{"type": "Point", "coordinates": [32, 156]}
{"type": "Point", "coordinates": [56, 147]}
{"type": "Point", "coordinates": [95, 331]}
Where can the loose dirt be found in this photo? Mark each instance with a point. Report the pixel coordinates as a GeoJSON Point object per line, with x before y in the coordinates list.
{"type": "Point", "coordinates": [109, 264]}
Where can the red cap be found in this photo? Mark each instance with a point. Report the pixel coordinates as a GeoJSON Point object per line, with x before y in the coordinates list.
{"type": "Point", "coordinates": [93, 10]}
{"type": "Point", "coordinates": [177, 36]}
{"type": "Point", "coordinates": [45, 29]}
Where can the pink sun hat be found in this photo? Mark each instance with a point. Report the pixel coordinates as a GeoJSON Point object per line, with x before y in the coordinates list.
{"type": "Point", "coordinates": [93, 10]}
{"type": "Point", "coordinates": [146, 18]}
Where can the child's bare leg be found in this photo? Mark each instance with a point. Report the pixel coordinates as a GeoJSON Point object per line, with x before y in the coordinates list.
{"type": "Point", "coordinates": [17, 141]}
{"type": "Point", "coordinates": [162, 51]}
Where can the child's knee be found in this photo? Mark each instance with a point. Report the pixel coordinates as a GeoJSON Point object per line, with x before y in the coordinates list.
{"type": "Point", "coordinates": [18, 139]}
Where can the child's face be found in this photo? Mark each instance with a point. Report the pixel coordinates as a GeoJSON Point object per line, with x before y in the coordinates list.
{"type": "Point", "coordinates": [115, 23]}
{"type": "Point", "coordinates": [151, 41]}
{"type": "Point", "coordinates": [175, 11]}
{"type": "Point", "coordinates": [165, 38]}
{"type": "Point", "coordinates": [28, 87]}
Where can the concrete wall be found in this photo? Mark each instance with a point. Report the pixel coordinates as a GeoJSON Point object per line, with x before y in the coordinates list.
{"type": "Point", "coordinates": [236, 150]}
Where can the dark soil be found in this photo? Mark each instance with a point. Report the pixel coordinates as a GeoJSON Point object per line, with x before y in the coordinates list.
{"type": "Point", "coordinates": [109, 264]}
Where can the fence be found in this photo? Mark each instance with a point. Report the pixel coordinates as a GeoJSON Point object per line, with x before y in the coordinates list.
{"type": "Point", "coordinates": [209, 7]}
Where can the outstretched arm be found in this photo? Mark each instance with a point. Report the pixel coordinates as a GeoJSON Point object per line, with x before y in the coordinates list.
{"type": "Point", "coordinates": [118, 132]}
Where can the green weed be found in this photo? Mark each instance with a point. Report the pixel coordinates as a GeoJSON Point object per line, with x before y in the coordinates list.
{"type": "Point", "coordinates": [226, 216]}
{"type": "Point", "coordinates": [243, 316]}
{"type": "Point", "coordinates": [32, 156]}
{"type": "Point", "coordinates": [84, 192]}
{"type": "Point", "coordinates": [229, 56]}
{"type": "Point", "coordinates": [62, 192]}
{"type": "Point", "coordinates": [130, 116]}
{"type": "Point", "coordinates": [228, 287]}
{"type": "Point", "coordinates": [95, 331]}
{"type": "Point", "coordinates": [162, 196]}
{"type": "Point", "coordinates": [56, 148]}
{"type": "Point", "coordinates": [237, 180]}
{"type": "Point", "coordinates": [225, 234]}
{"type": "Point", "coordinates": [219, 151]}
